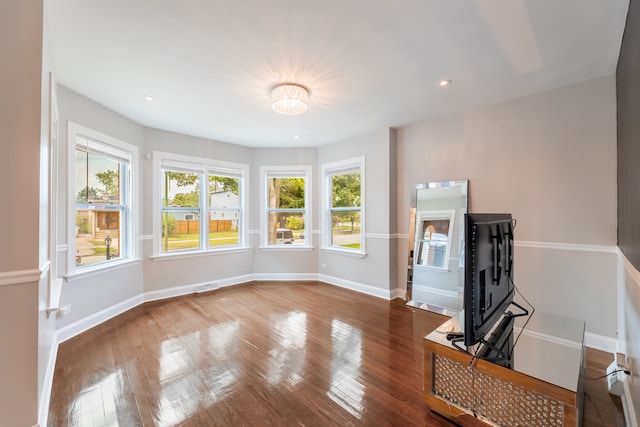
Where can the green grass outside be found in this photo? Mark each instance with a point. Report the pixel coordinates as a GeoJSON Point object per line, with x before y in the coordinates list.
{"type": "Point", "coordinates": [192, 241]}
{"type": "Point", "coordinates": [351, 245]}
{"type": "Point", "coordinates": [99, 248]}
{"type": "Point", "coordinates": [346, 229]}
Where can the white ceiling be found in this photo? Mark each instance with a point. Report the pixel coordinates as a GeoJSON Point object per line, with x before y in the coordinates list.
{"type": "Point", "coordinates": [210, 65]}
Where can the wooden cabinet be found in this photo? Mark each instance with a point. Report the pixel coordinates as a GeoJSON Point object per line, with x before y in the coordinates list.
{"type": "Point", "coordinates": [544, 387]}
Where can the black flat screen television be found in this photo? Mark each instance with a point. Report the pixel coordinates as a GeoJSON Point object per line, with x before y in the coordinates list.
{"type": "Point", "coordinates": [488, 285]}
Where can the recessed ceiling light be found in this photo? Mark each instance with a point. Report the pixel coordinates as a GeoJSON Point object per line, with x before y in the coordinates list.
{"type": "Point", "coordinates": [444, 82]}
{"type": "Point", "coordinates": [296, 137]}
{"type": "Point", "coordinates": [148, 97]}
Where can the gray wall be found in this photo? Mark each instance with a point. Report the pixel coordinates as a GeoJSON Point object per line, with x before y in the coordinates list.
{"type": "Point", "coordinates": [21, 132]}
{"type": "Point", "coordinates": [296, 262]}
{"type": "Point", "coordinates": [550, 160]}
{"type": "Point", "coordinates": [162, 274]}
{"type": "Point", "coordinates": [92, 294]}
{"type": "Point", "coordinates": [544, 158]}
{"type": "Point", "coordinates": [628, 91]}
{"type": "Point", "coordinates": [162, 277]}
{"type": "Point", "coordinates": [373, 273]}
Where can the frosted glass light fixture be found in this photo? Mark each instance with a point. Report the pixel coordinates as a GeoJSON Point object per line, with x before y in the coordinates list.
{"type": "Point", "coordinates": [290, 99]}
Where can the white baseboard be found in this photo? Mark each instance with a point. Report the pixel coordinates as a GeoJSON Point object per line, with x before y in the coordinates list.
{"type": "Point", "coordinates": [285, 277]}
{"type": "Point", "coordinates": [627, 406]}
{"type": "Point", "coordinates": [198, 287]}
{"type": "Point", "coordinates": [89, 322]}
{"type": "Point", "coordinates": [177, 291]}
{"type": "Point", "coordinates": [355, 286]}
{"type": "Point", "coordinates": [600, 342]}
{"type": "Point", "coordinates": [398, 293]}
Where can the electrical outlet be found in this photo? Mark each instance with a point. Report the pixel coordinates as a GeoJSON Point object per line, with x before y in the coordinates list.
{"type": "Point", "coordinates": [614, 379]}
{"type": "Point", "coordinates": [629, 365]}
{"type": "Point", "coordinates": [626, 363]}
{"type": "Point", "coordinates": [65, 310]}
{"type": "Point", "coordinates": [323, 265]}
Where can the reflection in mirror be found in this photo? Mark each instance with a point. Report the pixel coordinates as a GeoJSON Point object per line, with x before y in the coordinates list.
{"type": "Point", "coordinates": [435, 279]}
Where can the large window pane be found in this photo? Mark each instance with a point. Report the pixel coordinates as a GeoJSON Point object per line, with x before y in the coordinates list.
{"type": "Point", "coordinates": [97, 178]}
{"type": "Point", "coordinates": [286, 209]}
{"type": "Point", "coordinates": [345, 210]}
{"type": "Point", "coordinates": [99, 212]}
{"type": "Point", "coordinates": [96, 243]}
{"type": "Point", "coordinates": [224, 210]}
{"type": "Point", "coordinates": [180, 211]}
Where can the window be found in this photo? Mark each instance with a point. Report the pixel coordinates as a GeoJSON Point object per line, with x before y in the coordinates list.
{"type": "Point", "coordinates": [344, 198]}
{"type": "Point", "coordinates": [433, 239]}
{"type": "Point", "coordinates": [286, 206]}
{"type": "Point", "coordinates": [101, 179]}
{"type": "Point", "coordinates": [200, 204]}
{"type": "Point", "coordinates": [224, 208]}
{"type": "Point", "coordinates": [180, 200]}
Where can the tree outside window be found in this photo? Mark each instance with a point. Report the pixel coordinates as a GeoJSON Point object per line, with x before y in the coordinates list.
{"type": "Point", "coordinates": [224, 210]}
{"type": "Point", "coordinates": [345, 210]}
{"type": "Point", "coordinates": [180, 211]}
{"type": "Point", "coordinates": [201, 206]}
{"type": "Point", "coordinates": [99, 206]}
{"type": "Point", "coordinates": [286, 209]}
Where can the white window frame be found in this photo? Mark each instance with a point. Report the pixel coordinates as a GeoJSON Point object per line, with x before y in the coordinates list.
{"type": "Point", "coordinates": [337, 168]}
{"type": "Point", "coordinates": [449, 215]}
{"type": "Point", "coordinates": [203, 167]}
{"type": "Point", "coordinates": [130, 218]}
{"type": "Point", "coordinates": [303, 171]}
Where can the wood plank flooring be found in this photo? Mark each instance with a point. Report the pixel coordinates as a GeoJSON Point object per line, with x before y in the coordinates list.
{"type": "Point", "coordinates": [262, 354]}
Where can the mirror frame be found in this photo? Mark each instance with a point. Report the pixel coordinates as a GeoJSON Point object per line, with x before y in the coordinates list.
{"type": "Point", "coordinates": [413, 249]}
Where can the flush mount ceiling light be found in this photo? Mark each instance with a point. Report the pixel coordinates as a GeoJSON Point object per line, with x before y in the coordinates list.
{"type": "Point", "coordinates": [290, 99]}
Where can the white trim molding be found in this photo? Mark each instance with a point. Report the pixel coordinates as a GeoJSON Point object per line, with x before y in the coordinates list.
{"type": "Point", "coordinates": [95, 319]}
{"type": "Point", "coordinates": [601, 342]}
{"type": "Point", "coordinates": [566, 246]}
{"type": "Point", "coordinates": [210, 285]}
{"type": "Point", "coordinates": [355, 286]}
{"type": "Point", "coordinates": [627, 405]}
{"type": "Point", "coordinates": [20, 277]}
{"type": "Point", "coordinates": [379, 236]}
{"type": "Point", "coordinates": [45, 395]}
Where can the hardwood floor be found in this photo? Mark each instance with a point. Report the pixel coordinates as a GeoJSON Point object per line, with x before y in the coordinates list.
{"type": "Point", "coordinates": [261, 354]}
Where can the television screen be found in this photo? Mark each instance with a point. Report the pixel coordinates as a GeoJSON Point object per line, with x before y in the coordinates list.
{"type": "Point", "coordinates": [488, 287]}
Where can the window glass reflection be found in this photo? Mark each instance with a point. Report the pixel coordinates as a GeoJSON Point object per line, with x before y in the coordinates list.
{"type": "Point", "coordinates": [345, 388]}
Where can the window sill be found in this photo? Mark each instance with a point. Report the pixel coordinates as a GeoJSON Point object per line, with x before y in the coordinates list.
{"type": "Point", "coordinates": [431, 268]}
{"type": "Point", "coordinates": [183, 255]}
{"type": "Point", "coordinates": [346, 252]}
{"type": "Point", "coordinates": [287, 248]}
{"type": "Point", "coordinates": [101, 269]}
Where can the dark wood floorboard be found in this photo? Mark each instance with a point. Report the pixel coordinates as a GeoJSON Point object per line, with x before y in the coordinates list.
{"type": "Point", "coordinates": [263, 354]}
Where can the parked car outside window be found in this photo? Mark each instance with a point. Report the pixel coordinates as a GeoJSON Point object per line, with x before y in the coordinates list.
{"type": "Point", "coordinates": [284, 236]}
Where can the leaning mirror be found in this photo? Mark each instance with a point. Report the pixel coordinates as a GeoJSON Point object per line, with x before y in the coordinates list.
{"type": "Point", "coordinates": [435, 279]}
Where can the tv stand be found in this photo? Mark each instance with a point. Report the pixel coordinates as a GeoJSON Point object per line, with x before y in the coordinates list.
{"type": "Point", "coordinates": [543, 387]}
